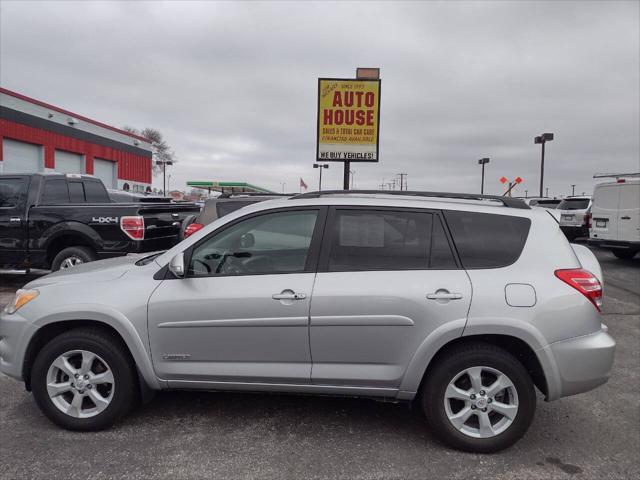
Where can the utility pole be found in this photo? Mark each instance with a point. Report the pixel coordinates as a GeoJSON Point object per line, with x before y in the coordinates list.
{"type": "Point", "coordinates": [526, 194]}
{"type": "Point", "coordinates": [403, 181]}
{"type": "Point", "coordinates": [573, 190]}
{"type": "Point", "coordinates": [547, 190]}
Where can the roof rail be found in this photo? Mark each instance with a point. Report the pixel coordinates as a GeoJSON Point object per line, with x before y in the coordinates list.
{"type": "Point", "coordinates": [253, 194]}
{"type": "Point", "coordinates": [509, 202]}
{"type": "Point", "coordinates": [616, 175]}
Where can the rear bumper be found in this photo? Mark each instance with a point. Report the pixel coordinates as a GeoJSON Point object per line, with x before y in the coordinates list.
{"type": "Point", "coordinates": [617, 244]}
{"type": "Point", "coordinates": [575, 230]}
{"type": "Point", "coordinates": [581, 363]}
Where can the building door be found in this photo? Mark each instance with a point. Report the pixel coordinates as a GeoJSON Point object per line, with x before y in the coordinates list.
{"type": "Point", "coordinates": [67, 162]}
{"type": "Point", "coordinates": [21, 157]}
{"type": "Point", "coordinates": [107, 171]}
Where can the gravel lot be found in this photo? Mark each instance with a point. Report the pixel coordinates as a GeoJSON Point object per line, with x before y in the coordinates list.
{"type": "Point", "coordinates": [219, 435]}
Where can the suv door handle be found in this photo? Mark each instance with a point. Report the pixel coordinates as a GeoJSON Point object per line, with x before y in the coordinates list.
{"type": "Point", "coordinates": [444, 296]}
{"type": "Point", "coordinates": [289, 296]}
{"type": "Point", "coordinates": [625, 218]}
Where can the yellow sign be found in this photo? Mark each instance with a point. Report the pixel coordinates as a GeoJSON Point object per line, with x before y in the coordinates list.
{"type": "Point", "coordinates": [348, 120]}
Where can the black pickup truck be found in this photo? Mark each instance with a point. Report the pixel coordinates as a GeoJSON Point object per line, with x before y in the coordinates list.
{"type": "Point", "coordinates": [54, 221]}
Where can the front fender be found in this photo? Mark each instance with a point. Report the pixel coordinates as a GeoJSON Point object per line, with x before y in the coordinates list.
{"type": "Point", "coordinates": [116, 320]}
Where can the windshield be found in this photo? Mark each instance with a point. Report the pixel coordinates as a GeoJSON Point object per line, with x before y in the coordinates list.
{"type": "Point", "coordinates": [574, 204]}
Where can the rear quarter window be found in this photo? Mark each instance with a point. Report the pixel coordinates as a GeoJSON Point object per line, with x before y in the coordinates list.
{"type": "Point", "coordinates": [486, 240]}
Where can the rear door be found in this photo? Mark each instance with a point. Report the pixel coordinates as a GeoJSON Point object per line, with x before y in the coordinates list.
{"type": "Point", "coordinates": [13, 224]}
{"type": "Point", "coordinates": [629, 212]}
{"type": "Point", "coordinates": [604, 212]}
{"type": "Point", "coordinates": [387, 278]}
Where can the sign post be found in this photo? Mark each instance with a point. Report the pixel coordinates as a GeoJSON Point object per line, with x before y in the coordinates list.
{"type": "Point", "coordinates": [349, 120]}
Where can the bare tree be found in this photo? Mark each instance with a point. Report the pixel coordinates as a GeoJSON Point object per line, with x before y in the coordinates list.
{"type": "Point", "coordinates": [162, 152]}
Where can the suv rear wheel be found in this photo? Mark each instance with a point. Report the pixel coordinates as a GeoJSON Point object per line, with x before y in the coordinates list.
{"type": "Point", "coordinates": [478, 398]}
{"type": "Point", "coordinates": [83, 380]}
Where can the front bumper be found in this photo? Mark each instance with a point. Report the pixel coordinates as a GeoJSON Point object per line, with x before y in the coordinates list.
{"type": "Point", "coordinates": [582, 363]}
{"type": "Point", "coordinates": [14, 334]}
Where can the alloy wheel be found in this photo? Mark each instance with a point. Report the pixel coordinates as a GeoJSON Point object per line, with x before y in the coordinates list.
{"type": "Point", "coordinates": [481, 402]}
{"type": "Point", "coordinates": [80, 383]}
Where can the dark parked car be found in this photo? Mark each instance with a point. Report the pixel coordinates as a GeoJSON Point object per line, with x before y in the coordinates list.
{"type": "Point", "coordinates": [54, 221]}
{"type": "Point", "coordinates": [215, 208]}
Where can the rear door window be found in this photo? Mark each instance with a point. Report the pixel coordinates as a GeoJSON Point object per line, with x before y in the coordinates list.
{"type": "Point", "coordinates": [76, 192]}
{"type": "Point", "coordinates": [55, 192]}
{"type": "Point", "coordinates": [363, 240]}
{"type": "Point", "coordinates": [485, 240]}
{"type": "Point", "coordinates": [95, 192]}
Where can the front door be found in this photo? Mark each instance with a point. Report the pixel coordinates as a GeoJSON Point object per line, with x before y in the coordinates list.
{"type": "Point", "coordinates": [241, 314]}
{"type": "Point", "coordinates": [13, 221]}
{"type": "Point", "coordinates": [386, 280]}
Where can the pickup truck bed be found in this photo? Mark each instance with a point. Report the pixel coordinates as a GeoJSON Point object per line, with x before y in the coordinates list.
{"type": "Point", "coordinates": [43, 215]}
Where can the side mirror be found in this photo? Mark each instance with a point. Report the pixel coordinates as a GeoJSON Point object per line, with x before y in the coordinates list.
{"type": "Point", "coordinates": [176, 265]}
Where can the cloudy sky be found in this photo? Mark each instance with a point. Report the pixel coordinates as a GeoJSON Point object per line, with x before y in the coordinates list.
{"type": "Point", "coordinates": [233, 85]}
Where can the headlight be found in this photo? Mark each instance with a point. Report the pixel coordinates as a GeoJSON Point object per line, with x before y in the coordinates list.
{"type": "Point", "coordinates": [21, 298]}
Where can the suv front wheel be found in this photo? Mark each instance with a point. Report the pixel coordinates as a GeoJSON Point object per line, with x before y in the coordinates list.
{"type": "Point", "coordinates": [83, 380]}
{"type": "Point", "coordinates": [478, 398]}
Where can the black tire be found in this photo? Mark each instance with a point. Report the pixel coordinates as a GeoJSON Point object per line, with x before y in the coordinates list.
{"type": "Point", "coordinates": [103, 344]}
{"type": "Point", "coordinates": [457, 360]}
{"type": "Point", "coordinates": [85, 254]}
{"type": "Point", "coordinates": [624, 254]}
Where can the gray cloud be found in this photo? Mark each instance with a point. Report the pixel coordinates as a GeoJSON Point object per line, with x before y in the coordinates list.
{"type": "Point", "coordinates": [233, 85]}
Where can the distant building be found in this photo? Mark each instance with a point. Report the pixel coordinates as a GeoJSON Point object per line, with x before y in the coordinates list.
{"type": "Point", "coordinates": [38, 137]}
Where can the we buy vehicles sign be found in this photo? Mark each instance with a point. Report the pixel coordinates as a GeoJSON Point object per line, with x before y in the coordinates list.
{"type": "Point", "coordinates": [348, 120]}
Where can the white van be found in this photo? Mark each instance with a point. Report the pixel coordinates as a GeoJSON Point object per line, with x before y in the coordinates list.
{"type": "Point", "coordinates": [615, 217]}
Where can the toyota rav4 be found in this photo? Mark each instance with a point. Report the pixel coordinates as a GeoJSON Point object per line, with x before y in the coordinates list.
{"type": "Point", "coordinates": [461, 304]}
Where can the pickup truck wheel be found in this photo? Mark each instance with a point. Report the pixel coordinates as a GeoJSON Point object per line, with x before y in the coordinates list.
{"type": "Point", "coordinates": [83, 380]}
{"type": "Point", "coordinates": [72, 256]}
{"type": "Point", "coordinates": [478, 398]}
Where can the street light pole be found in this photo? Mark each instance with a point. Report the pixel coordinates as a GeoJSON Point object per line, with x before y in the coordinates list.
{"type": "Point", "coordinates": [573, 190]}
{"type": "Point", "coordinates": [542, 139]}
{"type": "Point", "coordinates": [482, 162]}
{"type": "Point", "coordinates": [320, 166]}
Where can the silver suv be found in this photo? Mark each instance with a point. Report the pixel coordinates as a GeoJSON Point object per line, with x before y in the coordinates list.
{"type": "Point", "coordinates": [460, 304]}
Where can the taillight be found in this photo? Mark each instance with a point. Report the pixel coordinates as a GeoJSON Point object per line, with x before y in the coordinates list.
{"type": "Point", "coordinates": [133, 226]}
{"type": "Point", "coordinates": [191, 229]}
{"type": "Point", "coordinates": [583, 281]}
{"type": "Point", "coordinates": [587, 220]}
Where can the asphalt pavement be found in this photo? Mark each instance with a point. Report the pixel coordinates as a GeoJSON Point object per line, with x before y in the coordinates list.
{"type": "Point", "coordinates": [184, 435]}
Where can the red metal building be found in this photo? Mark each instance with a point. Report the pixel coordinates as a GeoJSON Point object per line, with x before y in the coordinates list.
{"type": "Point", "coordinates": [38, 137]}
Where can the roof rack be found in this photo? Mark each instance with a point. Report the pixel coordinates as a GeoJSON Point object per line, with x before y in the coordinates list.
{"type": "Point", "coordinates": [509, 202]}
